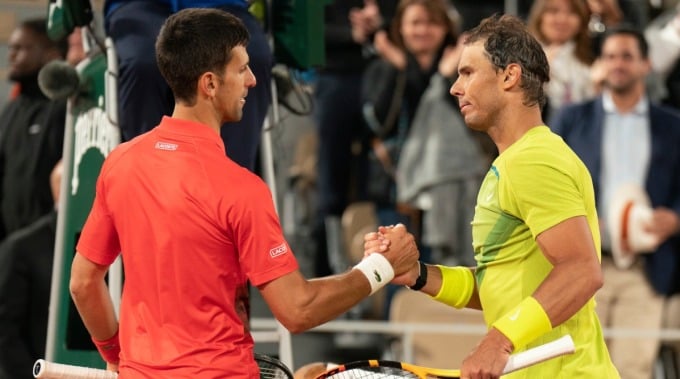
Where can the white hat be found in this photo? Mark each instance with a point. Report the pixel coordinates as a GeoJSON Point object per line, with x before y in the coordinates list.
{"type": "Point", "coordinates": [629, 214]}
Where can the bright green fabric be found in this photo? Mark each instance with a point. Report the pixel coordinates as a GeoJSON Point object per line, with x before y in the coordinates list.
{"type": "Point", "coordinates": [535, 184]}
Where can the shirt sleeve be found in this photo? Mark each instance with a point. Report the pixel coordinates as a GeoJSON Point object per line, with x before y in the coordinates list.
{"type": "Point", "coordinates": [263, 252]}
{"type": "Point", "coordinates": [99, 239]}
{"type": "Point", "coordinates": [541, 189]}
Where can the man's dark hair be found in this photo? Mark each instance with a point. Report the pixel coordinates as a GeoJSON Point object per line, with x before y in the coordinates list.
{"type": "Point", "coordinates": [193, 42]}
{"type": "Point", "coordinates": [506, 41]}
{"type": "Point", "coordinates": [628, 30]}
{"type": "Point", "coordinates": [39, 27]}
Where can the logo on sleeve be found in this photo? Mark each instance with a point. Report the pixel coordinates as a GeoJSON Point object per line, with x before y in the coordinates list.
{"type": "Point", "coordinates": [160, 145]}
{"type": "Point", "coordinates": [279, 250]}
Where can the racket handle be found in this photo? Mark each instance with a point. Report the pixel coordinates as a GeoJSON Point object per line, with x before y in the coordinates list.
{"type": "Point", "coordinates": [561, 346]}
{"type": "Point", "coordinates": [50, 370]}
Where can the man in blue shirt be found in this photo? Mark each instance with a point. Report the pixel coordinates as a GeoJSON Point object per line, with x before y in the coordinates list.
{"type": "Point", "coordinates": [624, 139]}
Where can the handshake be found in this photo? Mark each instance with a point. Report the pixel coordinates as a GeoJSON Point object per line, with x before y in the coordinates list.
{"type": "Point", "coordinates": [390, 256]}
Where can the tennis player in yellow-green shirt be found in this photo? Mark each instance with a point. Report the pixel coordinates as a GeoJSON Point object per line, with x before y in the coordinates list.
{"type": "Point", "coordinates": [535, 232]}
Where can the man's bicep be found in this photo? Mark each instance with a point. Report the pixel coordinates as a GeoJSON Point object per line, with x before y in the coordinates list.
{"type": "Point", "coordinates": [568, 240]}
{"type": "Point", "coordinates": [284, 293]}
{"type": "Point", "coordinates": [84, 268]}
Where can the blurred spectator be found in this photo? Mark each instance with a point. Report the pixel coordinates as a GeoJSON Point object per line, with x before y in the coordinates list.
{"type": "Point", "coordinates": [663, 35]}
{"type": "Point", "coordinates": [425, 166]}
{"type": "Point", "coordinates": [349, 29]}
{"type": "Point", "coordinates": [623, 139]}
{"type": "Point", "coordinates": [32, 130]}
{"type": "Point", "coordinates": [603, 14]}
{"type": "Point", "coordinates": [143, 95]}
{"type": "Point", "coordinates": [561, 26]}
{"type": "Point", "coordinates": [25, 281]}
{"type": "Point", "coordinates": [76, 50]}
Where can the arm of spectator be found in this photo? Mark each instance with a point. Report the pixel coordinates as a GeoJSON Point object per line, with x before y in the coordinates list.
{"type": "Point", "coordinates": [388, 51]}
{"type": "Point", "coordinates": [664, 46]}
{"type": "Point", "coordinates": [597, 76]}
{"type": "Point", "coordinates": [448, 64]}
{"type": "Point", "coordinates": [665, 223]}
{"type": "Point", "coordinates": [365, 21]}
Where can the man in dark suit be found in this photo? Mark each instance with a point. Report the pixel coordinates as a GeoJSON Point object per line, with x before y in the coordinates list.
{"type": "Point", "coordinates": [623, 138]}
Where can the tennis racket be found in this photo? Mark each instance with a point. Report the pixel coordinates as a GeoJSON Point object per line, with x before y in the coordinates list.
{"type": "Point", "coordinates": [377, 369]}
{"type": "Point", "coordinates": [51, 370]}
{"type": "Point", "coordinates": [270, 368]}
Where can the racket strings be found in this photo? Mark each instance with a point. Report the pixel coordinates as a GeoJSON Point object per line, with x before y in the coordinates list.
{"type": "Point", "coordinates": [374, 373]}
{"type": "Point", "coordinates": [273, 372]}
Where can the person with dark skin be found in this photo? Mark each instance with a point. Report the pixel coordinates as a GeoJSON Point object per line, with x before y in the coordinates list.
{"type": "Point", "coordinates": [31, 129]}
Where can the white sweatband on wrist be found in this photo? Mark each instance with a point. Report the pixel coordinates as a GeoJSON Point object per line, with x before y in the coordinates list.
{"type": "Point", "coordinates": [377, 269]}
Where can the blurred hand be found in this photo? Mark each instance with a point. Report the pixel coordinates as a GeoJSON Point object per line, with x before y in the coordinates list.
{"type": "Point", "coordinates": [448, 64]}
{"type": "Point", "coordinates": [597, 75]}
{"type": "Point", "coordinates": [489, 358]}
{"type": "Point", "coordinates": [112, 367]}
{"type": "Point", "coordinates": [365, 21]}
{"type": "Point", "coordinates": [359, 29]}
{"type": "Point", "coordinates": [676, 20]}
{"type": "Point", "coordinates": [388, 51]}
{"type": "Point", "coordinates": [372, 17]}
{"type": "Point", "coordinates": [665, 223]}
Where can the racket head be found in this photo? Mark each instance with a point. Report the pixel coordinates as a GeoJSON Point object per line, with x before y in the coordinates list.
{"type": "Point", "coordinates": [375, 369]}
{"type": "Point", "coordinates": [272, 368]}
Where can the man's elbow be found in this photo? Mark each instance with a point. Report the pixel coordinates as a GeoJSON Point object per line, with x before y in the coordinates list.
{"type": "Point", "coordinates": [297, 322]}
{"type": "Point", "coordinates": [596, 279]}
{"type": "Point", "coordinates": [81, 286]}
{"type": "Point", "coordinates": [78, 287]}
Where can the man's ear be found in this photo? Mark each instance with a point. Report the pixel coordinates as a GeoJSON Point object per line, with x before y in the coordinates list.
{"type": "Point", "coordinates": [207, 84]}
{"type": "Point", "coordinates": [512, 75]}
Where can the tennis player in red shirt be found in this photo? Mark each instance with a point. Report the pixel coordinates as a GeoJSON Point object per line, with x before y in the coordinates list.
{"type": "Point", "coordinates": [193, 227]}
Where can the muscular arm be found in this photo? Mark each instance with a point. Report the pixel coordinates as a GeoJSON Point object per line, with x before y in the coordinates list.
{"type": "Point", "coordinates": [91, 297]}
{"type": "Point", "coordinates": [576, 274]}
{"type": "Point", "coordinates": [434, 284]}
{"type": "Point", "coordinates": [300, 304]}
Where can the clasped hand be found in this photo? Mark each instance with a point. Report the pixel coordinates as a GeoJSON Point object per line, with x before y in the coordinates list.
{"type": "Point", "coordinates": [399, 247]}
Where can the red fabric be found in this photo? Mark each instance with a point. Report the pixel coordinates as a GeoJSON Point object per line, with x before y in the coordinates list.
{"type": "Point", "coordinates": [15, 91]}
{"type": "Point", "coordinates": [625, 220]}
{"type": "Point", "coordinates": [109, 349]}
{"type": "Point", "coordinates": [183, 311]}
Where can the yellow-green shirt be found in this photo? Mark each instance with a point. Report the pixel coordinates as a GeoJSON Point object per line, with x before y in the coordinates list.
{"type": "Point", "coordinates": [532, 186]}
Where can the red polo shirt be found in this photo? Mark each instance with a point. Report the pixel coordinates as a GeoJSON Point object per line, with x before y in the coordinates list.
{"type": "Point", "coordinates": [192, 227]}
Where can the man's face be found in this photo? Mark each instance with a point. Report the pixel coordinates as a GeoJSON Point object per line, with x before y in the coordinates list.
{"type": "Point", "coordinates": [27, 54]}
{"type": "Point", "coordinates": [559, 23]}
{"type": "Point", "coordinates": [233, 87]}
{"type": "Point", "coordinates": [477, 87]}
{"type": "Point", "coordinates": [623, 63]}
{"type": "Point", "coordinates": [421, 33]}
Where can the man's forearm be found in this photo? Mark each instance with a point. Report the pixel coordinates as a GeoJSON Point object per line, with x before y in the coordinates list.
{"type": "Point", "coordinates": [95, 307]}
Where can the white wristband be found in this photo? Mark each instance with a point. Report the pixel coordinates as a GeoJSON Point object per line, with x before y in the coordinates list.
{"type": "Point", "coordinates": [377, 269]}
